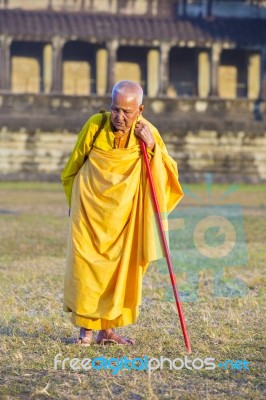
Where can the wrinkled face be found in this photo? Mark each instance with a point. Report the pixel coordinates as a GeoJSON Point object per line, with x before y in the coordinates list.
{"type": "Point", "coordinates": [124, 111]}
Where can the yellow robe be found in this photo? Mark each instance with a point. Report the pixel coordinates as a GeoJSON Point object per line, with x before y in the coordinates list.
{"type": "Point", "coordinates": [113, 232]}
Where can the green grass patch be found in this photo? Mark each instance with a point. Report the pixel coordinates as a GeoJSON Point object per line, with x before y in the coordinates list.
{"type": "Point", "coordinates": [32, 186]}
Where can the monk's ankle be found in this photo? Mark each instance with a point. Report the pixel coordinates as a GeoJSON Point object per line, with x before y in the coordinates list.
{"type": "Point", "coordinates": [106, 332]}
{"type": "Point", "coordinates": [86, 331]}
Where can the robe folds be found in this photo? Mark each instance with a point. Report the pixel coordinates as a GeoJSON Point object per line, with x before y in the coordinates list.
{"type": "Point", "coordinates": [113, 233]}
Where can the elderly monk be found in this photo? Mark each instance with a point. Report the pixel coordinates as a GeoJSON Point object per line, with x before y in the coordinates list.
{"type": "Point", "coordinates": [113, 233]}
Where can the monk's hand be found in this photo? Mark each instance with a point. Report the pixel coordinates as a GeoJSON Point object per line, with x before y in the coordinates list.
{"type": "Point", "coordinates": [143, 132]}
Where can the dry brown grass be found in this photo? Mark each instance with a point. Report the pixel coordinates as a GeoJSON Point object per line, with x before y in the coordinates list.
{"type": "Point", "coordinates": [33, 328]}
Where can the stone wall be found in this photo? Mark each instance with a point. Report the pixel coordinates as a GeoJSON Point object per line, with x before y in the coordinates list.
{"type": "Point", "coordinates": [224, 137]}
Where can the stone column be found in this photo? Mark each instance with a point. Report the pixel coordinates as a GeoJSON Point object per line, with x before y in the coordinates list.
{"type": "Point", "coordinates": [57, 67]}
{"type": "Point", "coordinates": [164, 67]}
{"type": "Point", "coordinates": [203, 74]}
{"type": "Point", "coordinates": [5, 62]}
{"type": "Point", "coordinates": [263, 74]}
{"type": "Point", "coordinates": [153, 65]}
{"type": "Point", "coordinates": [101, 71]}
{"type": "Point", "coordinates": [47, 68]}
{"type": "Point", "coordinates": [149, 7]}
{"type": "Point", "coordinates": [253, 75]}
{"type": "Point", "coordinates": [112, 47]}
{"type": "Point", "coordinates": [215, 62]}
{"type": "Point", "coordinates": [113, 7]}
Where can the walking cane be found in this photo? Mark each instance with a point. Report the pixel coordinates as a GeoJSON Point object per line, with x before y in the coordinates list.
{"type": "Point", "coordinates": [166, 249]}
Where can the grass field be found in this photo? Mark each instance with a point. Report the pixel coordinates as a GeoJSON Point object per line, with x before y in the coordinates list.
{"type": "Point", "coordinates": [33, 328]}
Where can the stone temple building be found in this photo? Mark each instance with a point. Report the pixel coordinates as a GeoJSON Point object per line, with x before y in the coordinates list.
{"type": "Point", "coordinates": [202, 64]}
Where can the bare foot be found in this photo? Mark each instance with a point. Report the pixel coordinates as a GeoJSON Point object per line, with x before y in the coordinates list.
{"type": "Point", "coordinates": [110, 336]}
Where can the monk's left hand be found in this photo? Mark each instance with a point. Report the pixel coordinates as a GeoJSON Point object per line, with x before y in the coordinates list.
{"type": "Point", "coordinates": [143, 132]}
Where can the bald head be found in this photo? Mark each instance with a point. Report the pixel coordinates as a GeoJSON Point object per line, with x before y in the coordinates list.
{"type": "Point", "coordinates": [126, 105]}
{"type": "Point", "coordinates": [131, 89]}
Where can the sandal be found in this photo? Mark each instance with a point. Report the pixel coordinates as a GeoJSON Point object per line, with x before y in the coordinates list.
{"type": "Point", "coordinates": [114, 338]}
{"type": "Point", "coordinates": [84, 339]}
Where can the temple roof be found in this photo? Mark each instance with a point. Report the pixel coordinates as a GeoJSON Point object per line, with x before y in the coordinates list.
{"type": "Point", "coordinates": [43, 25]}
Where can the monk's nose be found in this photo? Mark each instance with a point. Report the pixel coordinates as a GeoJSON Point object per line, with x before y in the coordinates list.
{"type": "Point", "coordinates": [120, 115]}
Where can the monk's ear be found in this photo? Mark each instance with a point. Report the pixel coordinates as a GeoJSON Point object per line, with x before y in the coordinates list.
{"type": "Point", "coordinates": [141, 108]}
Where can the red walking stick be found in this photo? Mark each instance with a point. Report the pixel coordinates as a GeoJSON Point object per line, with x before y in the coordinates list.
{"type": "Point", "coordinates": [166, 248]}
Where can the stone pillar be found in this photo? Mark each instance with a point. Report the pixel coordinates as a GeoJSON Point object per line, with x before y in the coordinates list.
{"type": "Point", "coordinates": [155, 8]}
{"type": "Point", "coordinates": [263, 74]}
{"type": "Point", "coordinates": [113, 7]}
{"type": "Point", "coordinates": [57, 79]}
{"type": "Point", "coordinates": [164, 67]}
{"type": "Point", "coordinates": [112, 47]}
{"type": "Point", "coordinates": [149, 7]}
{"type": "Point", "coordinates": [203, 74]}
{"type": "Point", "coordinates": [153, 64]}
{"type": "Point", "coordinates": [5, 62]}
{"type": "Point", "coordinates": [101, 71]}
{"type": "Point", "coordinates": [215, 63]}
{"type": "Point", "coordinates": [47, 68]}
{"type": "Point", "coordinates": [253, 76]}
